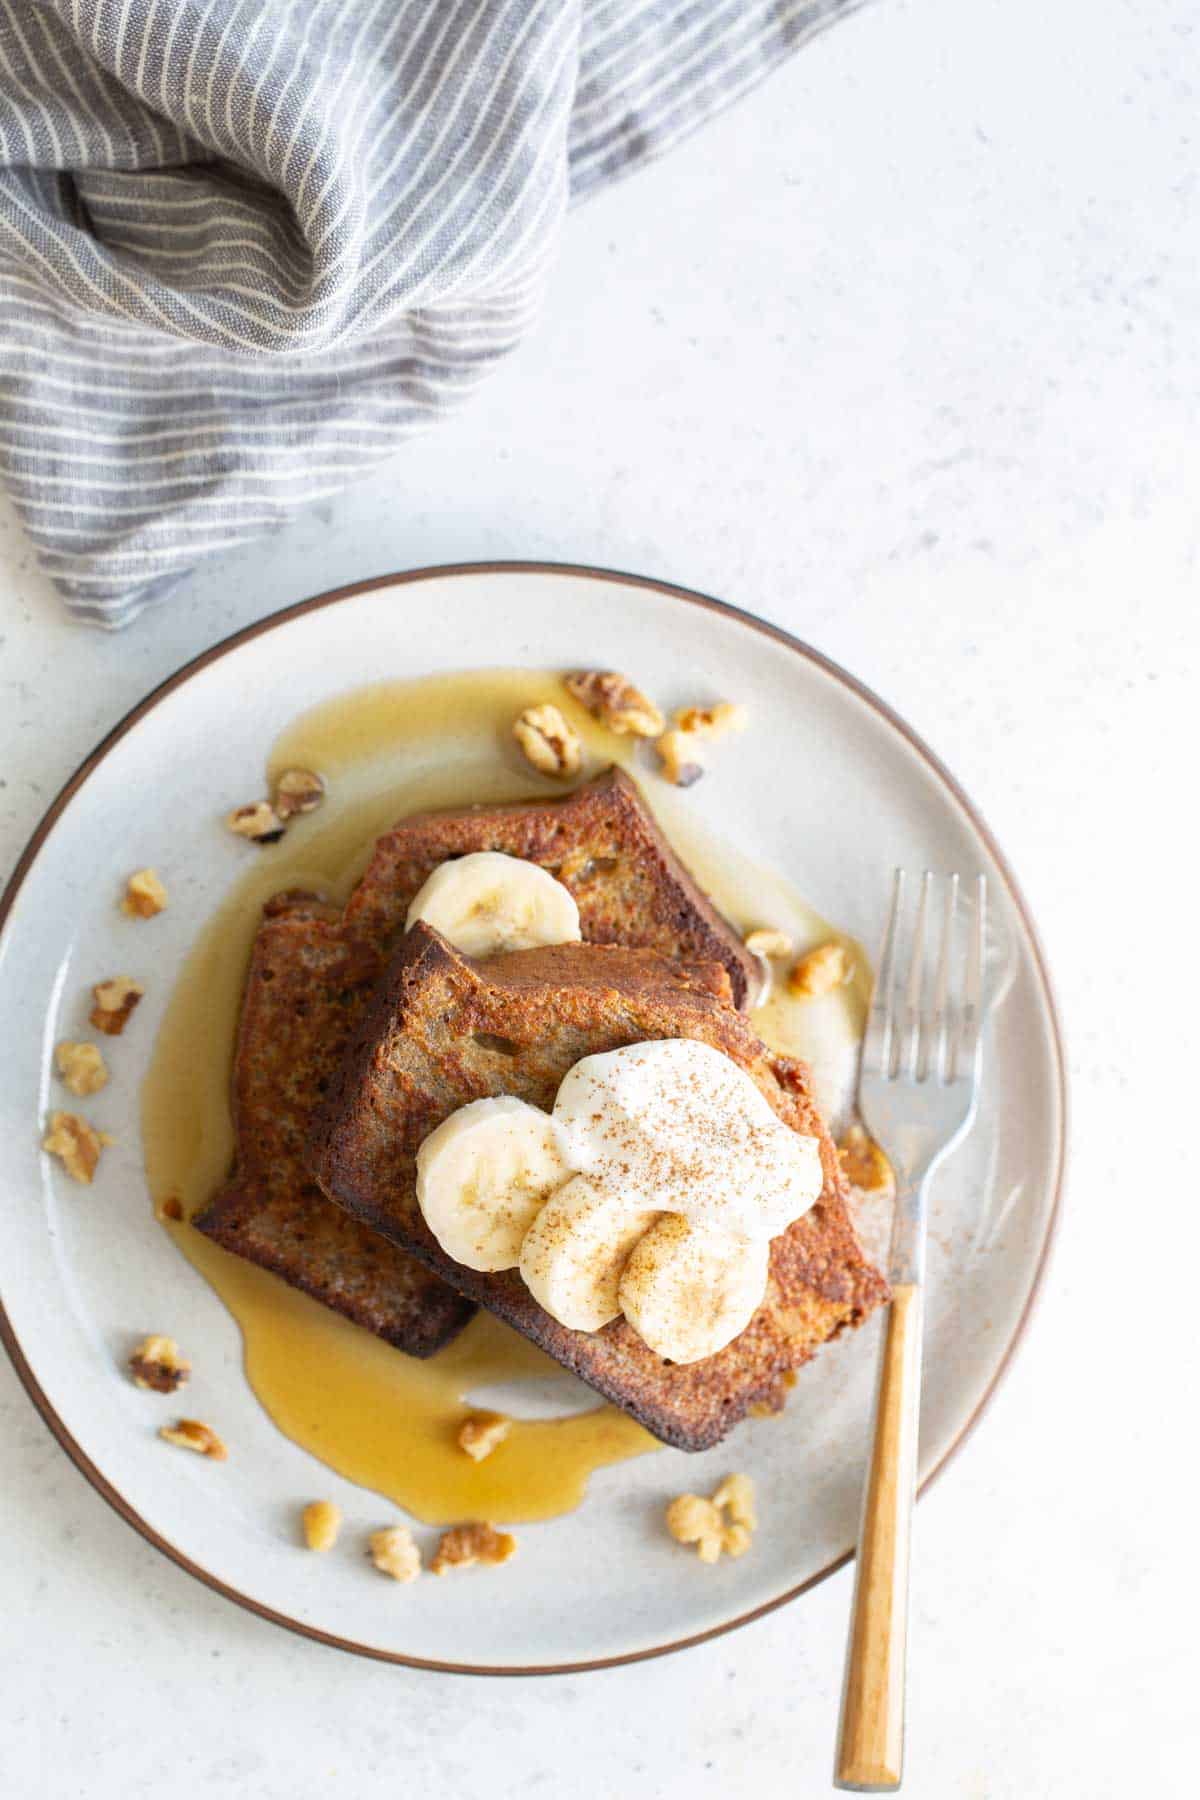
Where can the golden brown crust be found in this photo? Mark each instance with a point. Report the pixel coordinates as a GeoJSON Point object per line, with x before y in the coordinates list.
{"type": "Point", "coordinates": [600, 841]}
{"type": "Point", "coordinates": [302, 992]}
{"type": "Point", "coordinates": [427, 1044]}
{"type": "Point", "coordinates": [311, 971]}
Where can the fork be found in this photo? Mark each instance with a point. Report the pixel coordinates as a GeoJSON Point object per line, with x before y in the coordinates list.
{"type": "Point", "coordinates": [917, 1093]}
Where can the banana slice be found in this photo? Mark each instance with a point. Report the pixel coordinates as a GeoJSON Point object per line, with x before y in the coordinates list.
{"type": "Point", "coordinates": [488, 901]}
{"type": "Point", "coordinates": [688, 1290]}
{"type": "Point", "coordinates": [575, 1251]}
{"type": "Point", "coordinates": [484, 1175]}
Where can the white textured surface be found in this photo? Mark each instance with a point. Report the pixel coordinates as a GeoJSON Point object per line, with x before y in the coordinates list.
{"type": "Point", "coordinates": [901, 353]}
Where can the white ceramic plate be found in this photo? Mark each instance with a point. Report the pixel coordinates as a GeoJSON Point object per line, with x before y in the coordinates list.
{"type": "Point", "coordinates": [828, 787]}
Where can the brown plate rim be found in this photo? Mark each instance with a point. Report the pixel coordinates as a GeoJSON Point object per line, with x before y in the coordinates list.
{"type": "Point", "coordinates": [273, 622]}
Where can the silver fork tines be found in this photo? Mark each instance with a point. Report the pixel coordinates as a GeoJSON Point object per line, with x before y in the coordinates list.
{"type": "Point", "coordinates": [918, 1035]}
{"type": "Point", "coordinates": [922, 1051]}
{"type": "Point", "coordinates": [941, 991]}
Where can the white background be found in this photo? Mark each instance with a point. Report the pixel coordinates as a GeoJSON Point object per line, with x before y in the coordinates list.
{"type": "Point", "coordinates": [901, 353]}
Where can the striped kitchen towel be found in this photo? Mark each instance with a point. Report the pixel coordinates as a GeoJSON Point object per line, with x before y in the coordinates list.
{"type": "Point", "coordinates": [248, 247]}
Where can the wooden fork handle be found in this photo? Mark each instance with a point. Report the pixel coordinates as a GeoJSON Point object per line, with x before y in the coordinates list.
{"type": "Point", "coordinates": [870, 1752]}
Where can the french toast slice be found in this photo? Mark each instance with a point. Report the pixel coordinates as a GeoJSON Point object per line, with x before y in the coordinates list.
{"type": "Point", "coordinates": [442, 1030]}
{"type": "Point", "coordinates": [305, 989]}
{"type": "Point", "coordinates": [602, 842]}
{"type": "Point", "coordinates": [311, 970]}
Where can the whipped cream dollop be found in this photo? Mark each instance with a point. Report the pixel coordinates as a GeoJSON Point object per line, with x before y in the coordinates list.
{"type": "Point", "coordinates": [677, 1126]}
{"type": "Point", "coordinates": [653, 1190]}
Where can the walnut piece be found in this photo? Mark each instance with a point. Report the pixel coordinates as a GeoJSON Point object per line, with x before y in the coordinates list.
{"type": "Point", "coordinates": [763, 945]}
{"type": "Point", "coordinates": [191, 1434]}
{"type": "Point", "coordinates": [679, 750]}
{"type": "Point", "coordinates": [735, 1540]}
{"type": "Point", "coordinates": [820, 971]}
{"type": "Point", "coordinates": [115, 1001]}
{"type": "Point", "coordinates": [679, 756]}
{"type": "Point", "coordinates": [548, 742]}
{"type": "Point", "coordinates": [157, 1364]}
{"type": "Point", "coordinates": [259, 822]}
{"type": "Point", "coordinates": [711, 722]}
{"type": "Point", "coordinates": [145, 895]}
{"type": "Point", "coordinates": [768, 943]}
{"type": "Point", "coordinates": [76, 1143]}
{"type": "Point", "coordinates": [613, 699]}
{"type": "Point", "coordinates": [735, 1495]}
{"type": "Point", "coordinates": [394, 1553]}
{"type": "Point", "coordinates": [692, 1520]}
{"type": "Point", "coordinates": [463, 1545]}
{"type": "Point", "coordinates": [298, 791]}
{"type": "Point", "coordinates": [482, 1433]}
{"type": "Point", "coordinates": [322, 1520]}
{"type": "Point", "coordinates": [866, 1166]}
{"type": "Point", "coordinates": [81, 1066]}
{"type": "Point", "coordinates": [721, 1525]}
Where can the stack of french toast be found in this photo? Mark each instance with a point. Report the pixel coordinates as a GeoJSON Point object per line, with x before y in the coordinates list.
{"type": "Point", "coordinates": [364, 1030]}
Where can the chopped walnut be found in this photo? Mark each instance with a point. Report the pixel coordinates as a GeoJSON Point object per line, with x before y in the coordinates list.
{"type": "Point", "coordinates": [322, 1521]}
{"type": "Point", "coordinates": [172, 1208]}
{"type": "Point", "coordinates": [297, 791]}
{"type": "Point", "coordinates": [145, 895]}
{"type": "Point", "coordinates": [394, 1553]}
{"type": "Point", "coordinates": [866, 1166]}
{"type": "Point", "coordinates": [735, 1496]}
{"type": "Point", "coordinates": [157, 1364]}
{"type": "Point", "coordinates": [76, 1143]}
{"type": "Point", "coordinates": [820, 971]}
{"type": "Point", "coordinates": [679, 749]}
{"type": "Point", "coordinates": [81, 1066]}
{"type": "Point", "coordinates": [711, 722]}
{"type": "Point", "coordinates": [692, 1520]}
{"type": "Point", "coordinates": [190, 1434]}
{"type": "Point", "coordinates": [463, 1545]}
{"type": "Point", "coordinates": [548, 742]}
{"type": "Point", "coordinates": [763, 945]}
{"type": "Point", "coordinates": [735, 1540]}
{"type": "Point", "coordinates": [768, 943]}
{"type": "Point", "coordinates": [613, 699]}
{"type": "Point", "coordinates": [482, 1433]}
{"type": "Point", "coordinates": [680, 758]}
{"type": "Point", "coordinates": [259, 822]}
{"type": "Point", "coordinates": [115, 1001]}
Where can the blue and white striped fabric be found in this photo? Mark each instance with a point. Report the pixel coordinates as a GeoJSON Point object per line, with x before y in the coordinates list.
{"type": "Point", "coordinates": [247, 247]}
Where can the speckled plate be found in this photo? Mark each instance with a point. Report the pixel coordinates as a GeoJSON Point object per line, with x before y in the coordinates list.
{"type": "Point", "coordinates": [828, 787]}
